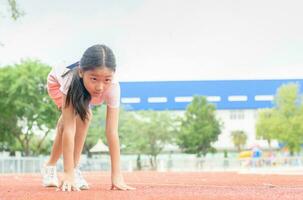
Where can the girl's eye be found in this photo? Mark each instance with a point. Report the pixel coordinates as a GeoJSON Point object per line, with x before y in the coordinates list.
{"type": "Point", "coordinates": [94, 79]}
{"type": "Point", "coordinates": [108, 80]}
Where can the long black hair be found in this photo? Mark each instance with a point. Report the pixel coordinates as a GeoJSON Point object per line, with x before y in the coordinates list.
{"type": "Point", "coordinates": [95, 56]}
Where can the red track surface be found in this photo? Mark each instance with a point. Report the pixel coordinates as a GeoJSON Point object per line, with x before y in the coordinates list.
{"type": "Point", "coordinates": [158, 186]}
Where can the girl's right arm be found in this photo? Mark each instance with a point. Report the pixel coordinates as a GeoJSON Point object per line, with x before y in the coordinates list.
{"type": "Point", "coordinates": [68, 136]}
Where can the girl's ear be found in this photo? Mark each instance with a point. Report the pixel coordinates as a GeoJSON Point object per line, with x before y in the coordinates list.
{"type": "Point", "coordinates": [80, 71]}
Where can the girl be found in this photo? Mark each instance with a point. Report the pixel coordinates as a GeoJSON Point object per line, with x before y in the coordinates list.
{"type": "Point", "coordinates": [73, 89]}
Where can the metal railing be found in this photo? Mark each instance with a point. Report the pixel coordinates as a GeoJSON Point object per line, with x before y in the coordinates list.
{"type": "Point", "coordinates": [34, 164]}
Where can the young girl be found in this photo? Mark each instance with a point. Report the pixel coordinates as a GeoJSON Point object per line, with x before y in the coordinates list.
{"type": "Point", "coordinates": [73, 89]}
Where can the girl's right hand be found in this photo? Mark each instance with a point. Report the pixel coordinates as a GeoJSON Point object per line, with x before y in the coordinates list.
{"type": "Point", "coordinates": [68, 183]}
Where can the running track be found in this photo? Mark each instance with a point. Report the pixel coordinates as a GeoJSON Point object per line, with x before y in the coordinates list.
{"type": "Point", "coordinates": [161, 185]}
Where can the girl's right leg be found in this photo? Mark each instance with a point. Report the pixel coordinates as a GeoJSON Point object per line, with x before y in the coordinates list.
{"type": "Point", "coordinates": [49, 172]}
{"type": "Point", "coordinates": [57, 146]}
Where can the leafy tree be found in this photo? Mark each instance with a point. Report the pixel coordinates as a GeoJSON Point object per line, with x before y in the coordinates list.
{"type": "Point", "coordinates": [26, 109]}
{"type": "Point", "coordinates": [289, 109]}
{"type": "Point", "coordinates": [7, 140]}
{"type": "Point", "coordinates": [199, 127]}
{"type": "Point", "coordinates": [97, 127]}
{"type": "Point", "coordinates": [38, 148]}
{"type": "Point", "coordinates": [157, 130]}
{"type": "Point", "coordinates": [266, 125]}
{"type": "Point", "coordinates": [239, 139]}
{"type": "Point", "coordinates": [284, 121]}
{"type": "Point", "coordinates": [8, 120]}
{"type": "Point", "coordinates": [133, 141]}
{"type": "Point", "coordinates": [146, 132]}
{"type": "Point", "coordinates": [143, 132]}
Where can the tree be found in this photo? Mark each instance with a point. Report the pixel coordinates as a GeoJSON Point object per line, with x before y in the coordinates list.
{"type": "Point", "coordinates": [146, 132]}
{"type": "Point", "coordinates": [7, 119]}
{"type": "Point", "coordinates": [143, 132]}
{"type": "Point", "coordinates": [284, 121]}
{"type": "Point", "coordinates": [199, 127]}
{"type": "Point", "coordinates": [97, 127]}
{"type": "Point", "coordinates": [157, 130]}
{"type": "Point", "coordinates": [266, 125]}
{"type": "Point", "coordinates": [26, 111]}
{"type": "Point", "coordinates": [132, 137]}
{"type": "Point", "coordinates": [239, 139]}
{"type": "Point", "coordinates": [288, 108]}
{"type": "Point", "coordinates": [7, 139]}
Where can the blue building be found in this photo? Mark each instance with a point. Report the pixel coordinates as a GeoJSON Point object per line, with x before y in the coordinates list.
{"type": "Point", "coordinates": [237, 101]}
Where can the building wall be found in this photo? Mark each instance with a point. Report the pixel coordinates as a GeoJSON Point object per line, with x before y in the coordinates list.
{"type": "Point", "coordinates": [244, 120]}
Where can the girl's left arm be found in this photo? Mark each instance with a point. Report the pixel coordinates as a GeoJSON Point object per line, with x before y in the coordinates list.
{"type": "Point", "coordinates": [112, 120]}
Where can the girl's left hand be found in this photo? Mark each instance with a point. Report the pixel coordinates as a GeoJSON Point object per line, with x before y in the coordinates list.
{"type": "Point", "coordinates": [119, 184]}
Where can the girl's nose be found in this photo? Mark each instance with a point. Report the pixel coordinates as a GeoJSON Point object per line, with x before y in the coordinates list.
{"type": "Point", "coordinates": [100, 87]}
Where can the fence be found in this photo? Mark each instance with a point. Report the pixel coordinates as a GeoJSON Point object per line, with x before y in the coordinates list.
{"type": "Point", "coordinates": [34, 164]}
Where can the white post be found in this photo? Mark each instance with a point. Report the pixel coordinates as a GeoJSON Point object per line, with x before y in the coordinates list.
{"type": "Point", "coordinates": [161, 166]}
{"type": "Point", "coordinates": [130, 166]}
{"type": "Point", "coordinates": [2, 160]}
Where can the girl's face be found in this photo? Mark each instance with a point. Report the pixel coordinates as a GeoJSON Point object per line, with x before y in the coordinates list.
{"type": "Point", "coordinates": [96, 81]}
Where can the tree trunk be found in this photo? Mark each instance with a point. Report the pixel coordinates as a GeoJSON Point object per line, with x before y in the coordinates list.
{"type": "Point", "coordinates": [151, 162]}
{"type": "Point", "coordinates": [41, 141]}
{"type": "Point", "coordinates": [26, 139]}
{"type": "Point", "coordinates": [155, 162]}
{"type": "Point", "coordinates": [26, 150]}
{"type": "Point", "coordinates": [139, 165]}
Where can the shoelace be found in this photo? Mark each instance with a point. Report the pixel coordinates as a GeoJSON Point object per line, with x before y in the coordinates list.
{"type": "Point", "coordinates": [51, 172]}
{"type": "Point", "coordinates": [78, 172]}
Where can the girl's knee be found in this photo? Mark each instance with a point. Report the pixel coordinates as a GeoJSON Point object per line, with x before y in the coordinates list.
{"type": "Point", "coordinates": [60, 129]}
{"type": "Point", "coordinates": [60, 126]}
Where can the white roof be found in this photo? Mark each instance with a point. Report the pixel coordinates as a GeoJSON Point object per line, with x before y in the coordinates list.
{"type": "Point", "coordinates": [99, 147]}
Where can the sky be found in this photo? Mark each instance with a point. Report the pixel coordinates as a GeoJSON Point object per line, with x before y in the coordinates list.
{"type": "Point", "coordinates": [162, 40]}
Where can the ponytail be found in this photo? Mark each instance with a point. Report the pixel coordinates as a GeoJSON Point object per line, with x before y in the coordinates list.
{"type": "Point", "coordinates": [78, 96]}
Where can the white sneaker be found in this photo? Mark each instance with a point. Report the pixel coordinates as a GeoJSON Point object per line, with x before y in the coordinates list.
{"type": "Point", "coordinates": [49, 176]}
{"type": "Point", "coordinates": [79, 180]}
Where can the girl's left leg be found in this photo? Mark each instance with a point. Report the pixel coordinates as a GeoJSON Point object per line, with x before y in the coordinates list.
{"type": "Point", "coordinates": [81, 132]}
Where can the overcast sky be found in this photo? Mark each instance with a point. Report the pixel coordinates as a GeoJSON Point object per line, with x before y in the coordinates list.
{"type": "Point", "coordinates": [163, 39]}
